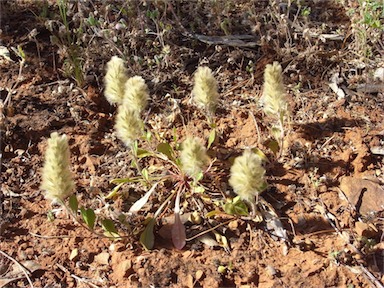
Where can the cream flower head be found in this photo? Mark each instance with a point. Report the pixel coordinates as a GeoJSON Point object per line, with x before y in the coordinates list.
{"type": "Point", "coordinates": [56, 175]}
{"type": "Point", "coordinates": [114, 80]}
{"type": "Point", "coordinates": [204, 90]}
{"type": "Point", "coordinates": [273, 99]}
{"type": "Point", "coordinates": [247, 176]}
{"type": "Point", "coordinates": [136, 93]}
{"type": "Point", "coordinates": [128, 125]}
{"type": "Point", "coordinates": [193, 157]}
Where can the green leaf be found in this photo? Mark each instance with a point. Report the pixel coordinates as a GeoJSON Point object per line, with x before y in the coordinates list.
{"type": "Point", "coordinates": [126, 180]}
{"type": "Point", "coordinates": [236, 206]}
{"type": "Point", "coordinates": [212, 137]}
{"type": "Point", "coordinates": [276, 132]}
{"type": "Point", "coordinates": [212, 213]}
{"type": "Point", "coordinates": [198, 189]}
{"type": "Point", "coordinates": [274, 146]}
{"type": "Point", "coordinates": [199, 176]}
{"type": "Point", "coordinates": [73, 204]}
{"type": "Point", "coordinates": [135, 146]}
{"type": "Point", "coordinates": [261, 154]}
{"type": "Point", "coordinates": [21, 52]}
{"type": "Point", "coordinates": [114, 191]}
{"type": "Point", "coordinates": [165, 149]}
{"type": "Point", "coordinates": [109, 227]}
{"type": "Point", "coordinates": [241, 209]}
{"type": "Point", "coordinates": [229, 208]}
{"type": "Point", "coordinates": [148, 136]}
{"type": "Point", "coordinates": [142, 153]}
{"type": "Point", "coordinates": [144, 173]}
{"type": "Point", "coordinates": [174, 135]}
{"type": "Point", "coordinates": [147, 238]}
{"type": "Point", "coordinates": [88, 216]}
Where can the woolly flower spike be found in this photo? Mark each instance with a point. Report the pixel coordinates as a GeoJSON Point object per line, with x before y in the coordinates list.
{"type": "Point", "coordinates": [273, 99]}
{"type": "Point", "coordinates": [136, 93]}
{"type": "Point", "coordinates": [56, 176]}
{"type": "Point", "coordinates": [193, 157]}
{"type": "Point", "coordinates": [114, 80]}
{"type": "Point", "coordinates": [128, 125]}
{"type": "Point", "coordinates": [205, 89]}
{"type": "Point", "coordinates": [247, 176]}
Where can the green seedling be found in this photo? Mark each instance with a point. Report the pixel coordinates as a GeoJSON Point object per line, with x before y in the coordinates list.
{"type": "Point", "coordinates": [73, 64]}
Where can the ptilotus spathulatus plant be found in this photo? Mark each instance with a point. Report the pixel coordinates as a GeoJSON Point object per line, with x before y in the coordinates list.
{"type": "Point", "coordinates": [128, 124]}
{"type": "Point", "coordinates": [247, 176]}
{"type": "Point", "coordinates": [114, 80]}
{"type": "Point", "coordinates": [136, 93]}
{"type": "Point", "coordinates": [193, 157]}
{"type": "Point", "coordinates": [57, 181]}
{"type": "Point", "coordinates": [204, 92]}
{"type": "Point", "coordinates": [274, 100]}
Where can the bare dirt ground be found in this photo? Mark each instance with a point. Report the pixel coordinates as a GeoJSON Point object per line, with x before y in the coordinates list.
{"type": "Point", "coordinates": [327, 187]}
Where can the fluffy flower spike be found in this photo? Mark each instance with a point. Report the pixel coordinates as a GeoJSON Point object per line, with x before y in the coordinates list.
{"type": "Point", "coordinates": [114, 80]}
{"type": "Point", "coordinates": [204, 90]}
{"type": "Point", "coordinates": [128, 125]}
{"type": "Point", "coordinates": [273, 99]}
{"type": "Point", "coordinates": [193, 157]}
{"type": "Point", "coordinates": [136, 93]}
{"type": "Point", "coordinates": [56, 175]}
{"type": "Point", "coordinates": [247, 176]}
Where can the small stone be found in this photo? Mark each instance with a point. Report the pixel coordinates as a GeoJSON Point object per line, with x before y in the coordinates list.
{"type": "Point", "coordinates": [199, 274]}
{"type": "Point", "coordinates": [271, 271]}
{"type": "Point", "coordinates": [233, 225]}
{"type": "Point", "coordinates": [102, 258]}
{"type": "Point", "coordinates": [122, 269]}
